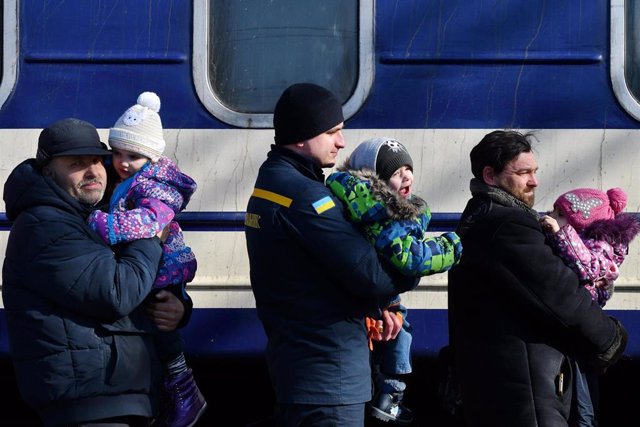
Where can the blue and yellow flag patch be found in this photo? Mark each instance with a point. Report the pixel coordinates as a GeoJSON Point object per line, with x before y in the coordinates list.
{"type": "Point", "coordinates": [323, 204]}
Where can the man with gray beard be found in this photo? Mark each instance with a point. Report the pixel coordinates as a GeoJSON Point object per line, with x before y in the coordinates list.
{"type": "Point", "coordinates": [80, 340]}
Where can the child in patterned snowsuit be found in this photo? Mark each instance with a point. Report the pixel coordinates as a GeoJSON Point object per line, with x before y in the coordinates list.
{"type": "Point", "coordinates": [150, 192]}
{"type": "Point", "coordinates": [375, 185]}
{"type": "Point", "coordinates": [588, 230]}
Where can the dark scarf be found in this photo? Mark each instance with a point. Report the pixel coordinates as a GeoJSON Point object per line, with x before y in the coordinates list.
{"type": "Point", "coordinates": [498, 195]}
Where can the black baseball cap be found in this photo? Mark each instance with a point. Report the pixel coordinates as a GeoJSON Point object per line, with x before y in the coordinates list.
{"type": "Point", "coordinates": [69, 137]}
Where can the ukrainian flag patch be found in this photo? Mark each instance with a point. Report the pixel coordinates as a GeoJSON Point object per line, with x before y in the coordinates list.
{"type": "Point", "coordinates": [323, 204]}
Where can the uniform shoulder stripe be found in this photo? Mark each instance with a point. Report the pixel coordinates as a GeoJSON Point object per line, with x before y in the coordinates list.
{"type": "Point", "coordinates": [323, 204]}
{"type": "Point", "coordinates": [272, 197]}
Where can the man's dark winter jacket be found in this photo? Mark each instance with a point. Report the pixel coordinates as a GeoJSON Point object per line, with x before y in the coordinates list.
{"type": "Point", "coordinates": [314, 278]}
{"type": "Point", "coordinates": [75, 333]}
{"type": "Point", "coordinates": [516, 315]}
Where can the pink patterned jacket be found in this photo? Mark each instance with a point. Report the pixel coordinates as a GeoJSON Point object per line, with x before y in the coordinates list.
{"type": "Point", "coordinates": [597, 252]}
{"type": "Point", "coordinates": [595, 261]}
{"type": "Point", "coordinates": [143, 205]}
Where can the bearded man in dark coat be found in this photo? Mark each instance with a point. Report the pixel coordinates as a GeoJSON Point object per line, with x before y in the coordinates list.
{"type": "Point", "coordinates": [517, 314]}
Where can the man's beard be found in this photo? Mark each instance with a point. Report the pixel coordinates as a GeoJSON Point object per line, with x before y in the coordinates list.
{"type": "Point", "coordinates": [87, 197]}
{"type": "Point", "coordinates": [89, 201]}
{"type": "Point", "coordinates": [528, 198]}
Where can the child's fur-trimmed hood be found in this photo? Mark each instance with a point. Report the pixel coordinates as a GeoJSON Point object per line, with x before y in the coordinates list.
{"type": "Point", "coordinates": [620, 230]}
{"type": "Point", "coordinates": [397, 206]}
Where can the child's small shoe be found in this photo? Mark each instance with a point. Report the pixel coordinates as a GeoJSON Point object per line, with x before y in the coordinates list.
{"type": "Point", "coordinates": [185, 402]}
{"type": "Point", "coordinates": [388, 407]}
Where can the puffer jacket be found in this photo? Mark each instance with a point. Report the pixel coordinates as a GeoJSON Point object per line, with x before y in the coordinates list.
{"type": "Point", "coordinates": [314, 278]}
{"type": "Point", "coordinates": [143, 205]}
{"type": "Point", "coordinates": [396, 226]}
{"type": "Point", "coordinates": [77, 337]}
{"type": "Point", "coordinates": [596, 253]}
{"type": "Point", "coordinates": [517, 314]}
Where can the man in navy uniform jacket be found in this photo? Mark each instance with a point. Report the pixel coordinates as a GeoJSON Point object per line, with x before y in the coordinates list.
{"type": "Point", "coordinates": [313, 275]}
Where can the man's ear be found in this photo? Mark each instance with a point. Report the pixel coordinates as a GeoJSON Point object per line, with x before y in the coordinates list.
{"type": "Point", "coordinates": [488, 175]}
{"type": "Point", "coordinates": [46, 171]}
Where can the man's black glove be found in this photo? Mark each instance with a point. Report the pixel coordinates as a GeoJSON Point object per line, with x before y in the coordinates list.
{"type": "Point", "coordinates": [615, 350]}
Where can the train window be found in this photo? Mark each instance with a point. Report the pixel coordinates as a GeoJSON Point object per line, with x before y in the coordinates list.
{"type": "Point", "coordinates": [246, 52]}
{"type": "Point", "coordinates": [9, 48]}
{"type": "Point", "coordinates": [625, 54]}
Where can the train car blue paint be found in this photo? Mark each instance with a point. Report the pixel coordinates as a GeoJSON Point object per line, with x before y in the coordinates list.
{"type": "Point", "coordinates": [440, 64]}
{"type": "Point", "coordinates": [228, 332]}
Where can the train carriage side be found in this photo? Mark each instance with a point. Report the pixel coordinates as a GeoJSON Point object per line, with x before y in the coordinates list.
{"type": "Point", "coordinates": [435, 75]}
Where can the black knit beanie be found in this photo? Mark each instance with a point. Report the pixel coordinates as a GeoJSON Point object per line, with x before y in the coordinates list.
{"type": "Point", "coordinates": [392, 155]}
{"type": "Point", "coordinates": [305, 110]}
{"type": "Point", "coordinates": [382, 155]}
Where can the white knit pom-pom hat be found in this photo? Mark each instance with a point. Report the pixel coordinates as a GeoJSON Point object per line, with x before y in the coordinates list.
{"type": "Point", "coordinates": [139, 129]}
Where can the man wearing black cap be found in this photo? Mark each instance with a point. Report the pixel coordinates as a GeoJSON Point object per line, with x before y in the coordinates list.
{"type": "Point", "coordinates": [75, 321]}
{"type": "Point", "coordinates": [313, 275]}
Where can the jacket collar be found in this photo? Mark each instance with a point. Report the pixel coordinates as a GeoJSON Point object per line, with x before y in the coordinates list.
{"type": "Point", "coordinates": [307, 166]}
{"type": "Point", "coordinates": [499, 196]}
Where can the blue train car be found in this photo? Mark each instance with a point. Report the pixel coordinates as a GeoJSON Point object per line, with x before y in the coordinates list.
{"type": "Point", "coordinates": [436, 75]}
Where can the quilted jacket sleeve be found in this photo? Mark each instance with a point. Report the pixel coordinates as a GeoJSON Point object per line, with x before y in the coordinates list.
{"type": "Point", "coordinates": [405, 244]}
